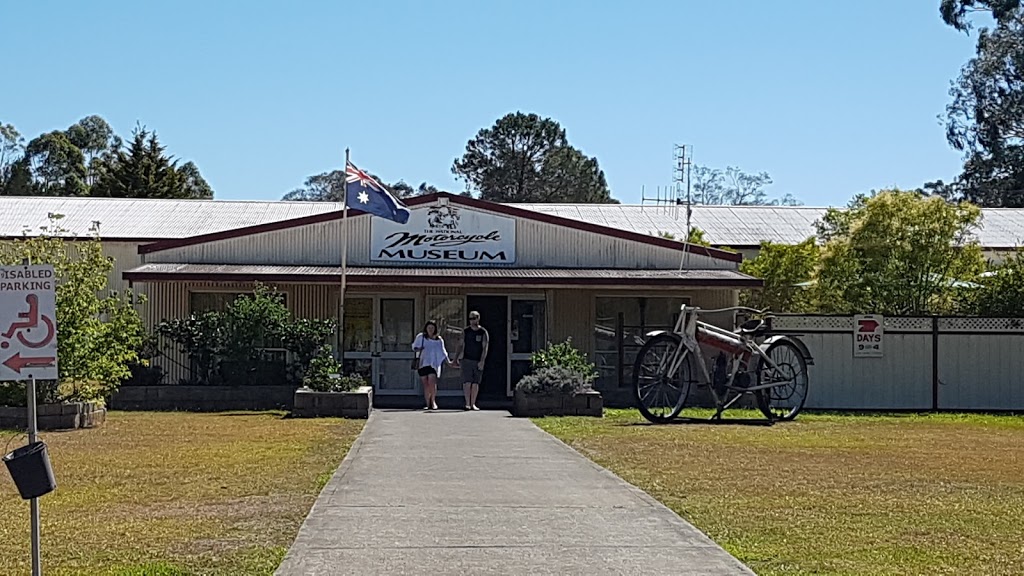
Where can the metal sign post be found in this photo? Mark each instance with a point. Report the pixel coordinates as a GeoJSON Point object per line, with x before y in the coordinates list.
{"type": "Point", "coordinates": [37, 568]}
{"type": "Point", "coordinates": [28, 348]}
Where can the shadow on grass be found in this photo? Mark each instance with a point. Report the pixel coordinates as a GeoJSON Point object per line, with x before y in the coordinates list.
{"type": "Point", "coordinates": [269, 412]}
{"type": "Point", "coordinates": [687, 421]}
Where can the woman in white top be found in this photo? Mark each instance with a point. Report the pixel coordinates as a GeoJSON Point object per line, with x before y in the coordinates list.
{"type": "Point", "coordinates": [432, 354]}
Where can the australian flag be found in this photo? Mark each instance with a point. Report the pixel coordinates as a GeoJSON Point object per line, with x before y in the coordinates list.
{"type": "Point", "coordinates": [364, 193]}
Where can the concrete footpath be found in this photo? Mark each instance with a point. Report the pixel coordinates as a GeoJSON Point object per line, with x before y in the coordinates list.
{"type": "Point", "coordinates": [467, 493]}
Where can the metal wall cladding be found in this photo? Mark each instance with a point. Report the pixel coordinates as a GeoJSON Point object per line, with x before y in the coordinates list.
{"type": "Point", "coordinates": [980, 363]}
{"type": "Point", "coordinates": [900, 380]}
{"type": "Point", "coordinates": [571, 315]}
{"type": "Point", "coordinates": [125, 256]}
{"type": "Point", "coordinates": [572, 310]}
{"type": "Point", "coordinates": [711, 299]}
{"type": "Point", "coordinates": [313, 244]}
{"type": "Point", "coordinates": [167, 301]}
{"type": "Point", "coordinates": [543, 245]}
{"type": "Point", "coordinates": [538, 245]}
{"type": "Point", "coordinates": [978, 359]}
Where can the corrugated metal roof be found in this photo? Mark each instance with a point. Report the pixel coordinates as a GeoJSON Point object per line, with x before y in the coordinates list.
{"type": "Point", "coordinates": [738, 226]}
{"type": "Point", "coordinates": [722, 225]}
{"type": "Point", "coordinates": [147, 219]}
{"type": "Point", "coordinates": [446, 275]}
{"type": "Point", "coordinates": [734, 226]}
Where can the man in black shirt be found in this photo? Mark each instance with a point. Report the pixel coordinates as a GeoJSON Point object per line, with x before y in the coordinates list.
{"type": "Point", "coordinates": [474, 350]}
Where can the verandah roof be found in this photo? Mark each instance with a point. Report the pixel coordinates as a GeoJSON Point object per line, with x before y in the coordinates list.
{"type": "Point", "coordinates": [537, 277]}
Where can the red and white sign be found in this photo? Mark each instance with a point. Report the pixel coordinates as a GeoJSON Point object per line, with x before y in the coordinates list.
{"type": "Point", "coordinates": [28, 323]}
{"type": "Point", "coordinates": [868, 335]}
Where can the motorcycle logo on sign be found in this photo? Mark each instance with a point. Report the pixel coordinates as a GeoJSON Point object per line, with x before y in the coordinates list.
{"type": "Point", "coordinates": [868, 335]}
{"type": "Point", "coordinates": [28, 330]}
{"type": "Point", "coordinates": [443, 218]}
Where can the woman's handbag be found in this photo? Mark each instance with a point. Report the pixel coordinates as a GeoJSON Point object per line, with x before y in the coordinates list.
{"type": "Point", "coordinates": [418, 352]}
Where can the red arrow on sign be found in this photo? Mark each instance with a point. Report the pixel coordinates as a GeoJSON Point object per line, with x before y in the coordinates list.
{"type": "Point", "coordinates": [17, 362]}
{"type": "Point", "coordinates": [868, 325]}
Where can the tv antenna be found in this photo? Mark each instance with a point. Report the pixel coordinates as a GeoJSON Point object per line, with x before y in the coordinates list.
{"type": "Point", "coordinates": [678, 194]}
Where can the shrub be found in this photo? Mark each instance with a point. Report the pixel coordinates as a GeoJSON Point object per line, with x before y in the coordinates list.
{"type": "Point", "coordinates": [99, 332]}
{"type": "Point", "coordinates": [304, 339]}
{"type": "Point", "coordinates": [564, 355]}
{"type": "Point", "coordinates": [323, 374]}
{"type": "Point", "coordinates": [321, 368]}
{"type": "Point", "coordinates": [228, 347]}
{"type": "Point", "coordinates": [199, 337]}
{"type": "Point", "coordinates": [554, 380]}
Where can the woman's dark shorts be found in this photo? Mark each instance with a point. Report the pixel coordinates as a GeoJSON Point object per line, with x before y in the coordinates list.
{"type": "Point", "coordinates": [426, 371]}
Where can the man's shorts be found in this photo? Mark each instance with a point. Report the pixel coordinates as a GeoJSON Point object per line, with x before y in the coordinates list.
{"type": "Point", "coordinates": [471, 372]}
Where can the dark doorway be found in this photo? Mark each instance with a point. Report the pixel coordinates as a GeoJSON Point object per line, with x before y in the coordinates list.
{"type": "Point", "coordinates": [494, 317]}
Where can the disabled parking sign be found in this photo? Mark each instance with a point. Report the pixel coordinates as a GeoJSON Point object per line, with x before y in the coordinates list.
{"type": "Point", "coordinates": [28, 323]}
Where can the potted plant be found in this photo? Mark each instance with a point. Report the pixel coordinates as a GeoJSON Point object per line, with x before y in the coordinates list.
{"type": "Point", "coordinates": [560, 384]}
{"type": "Point", "coordinates": [326, 392]}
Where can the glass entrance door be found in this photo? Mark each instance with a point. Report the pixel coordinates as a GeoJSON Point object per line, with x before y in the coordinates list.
{"type": "Point", "coordinates": [397, 329]}
{"type": "Point", "coordinates": [377, 340]}
{"type": "Point", "coordinates": [449, 313]}
{"type": "Point", "coordinates": [359, 338]}
{"type": "Point", "coordinates": [527, 334]}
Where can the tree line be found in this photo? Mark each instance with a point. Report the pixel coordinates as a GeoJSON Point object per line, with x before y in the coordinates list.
{"type": "Point", "coordinates": [88, 159]}
{"type": "Point", "coordinates": [521, 158]}
{"type": "Point", "coordinates": [985, 117]}
{"type": "Point", "coordinates": [893, 252]}
{"type": "Point", "coordinates": [526, 158]}
{"type": "Point", "coordinates": [916, 252]}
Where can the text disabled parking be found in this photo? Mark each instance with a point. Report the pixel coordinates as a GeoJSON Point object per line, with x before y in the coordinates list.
{"type": "Point", "coordinates": [28, 323]}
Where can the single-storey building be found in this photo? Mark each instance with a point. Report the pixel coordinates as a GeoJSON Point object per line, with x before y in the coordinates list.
{"type": "Point", "coordinates": [537, 272]}
{"type": "Point", "coordinates": [534, 277]}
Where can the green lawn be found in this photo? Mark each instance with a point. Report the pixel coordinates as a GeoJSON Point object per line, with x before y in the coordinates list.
{"type": "Point", "coordinates": [832, 494]}
{"type": "Point", "coordinates": [174, 494]}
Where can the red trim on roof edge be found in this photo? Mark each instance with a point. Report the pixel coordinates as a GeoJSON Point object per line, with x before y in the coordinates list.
{"type": "Point", "coordinates": [435, 279]}
{"type": "Point", "coordinates": [596, 228]}
{"type": "Point", "coordinates": [463, 200]}
{"type": "Point", "coordinates": [243, 231]}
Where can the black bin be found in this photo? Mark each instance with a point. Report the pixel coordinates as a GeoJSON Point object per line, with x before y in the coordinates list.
{"type": "Point", "coordinates": [30, 468]}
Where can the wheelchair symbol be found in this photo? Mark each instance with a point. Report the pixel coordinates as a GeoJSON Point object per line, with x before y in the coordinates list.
{"type": "Point", "coordinates": [27, 328]}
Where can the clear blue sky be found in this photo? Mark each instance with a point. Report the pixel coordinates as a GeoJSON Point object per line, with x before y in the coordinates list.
{"type": "Point", "coordinates": [831, 97]}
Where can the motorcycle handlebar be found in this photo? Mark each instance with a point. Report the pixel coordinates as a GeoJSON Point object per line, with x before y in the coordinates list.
{"type": "Point", "coordinates": [730, 309]}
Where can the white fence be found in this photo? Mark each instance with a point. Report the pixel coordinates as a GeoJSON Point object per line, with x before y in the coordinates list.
{"type": "Point", "coordinates": [930, 363]}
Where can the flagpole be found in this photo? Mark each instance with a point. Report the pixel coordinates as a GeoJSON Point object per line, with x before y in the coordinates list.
{"type": "Point", "coordinates": [344, 265]}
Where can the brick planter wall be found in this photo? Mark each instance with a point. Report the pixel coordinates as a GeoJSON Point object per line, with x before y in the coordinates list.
{"type": "Point", "coordinates": [202, 398]}
{"type": "Point", "coordinates": [536, 405]}
{"type": "Point", "coordinates": [311, 404]}
{"type": "Point", "coordinates": [68, 416]}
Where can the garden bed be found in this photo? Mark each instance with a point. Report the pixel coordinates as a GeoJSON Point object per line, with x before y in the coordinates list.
{"type": "Point", "coordinates": [587, 403]}
{"type": "Point", "coordinates": [64, 416]}
{"type": "Point", "coordinates": [356, 403]}
{"type": "Point", "coordinates": [202, 398]}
